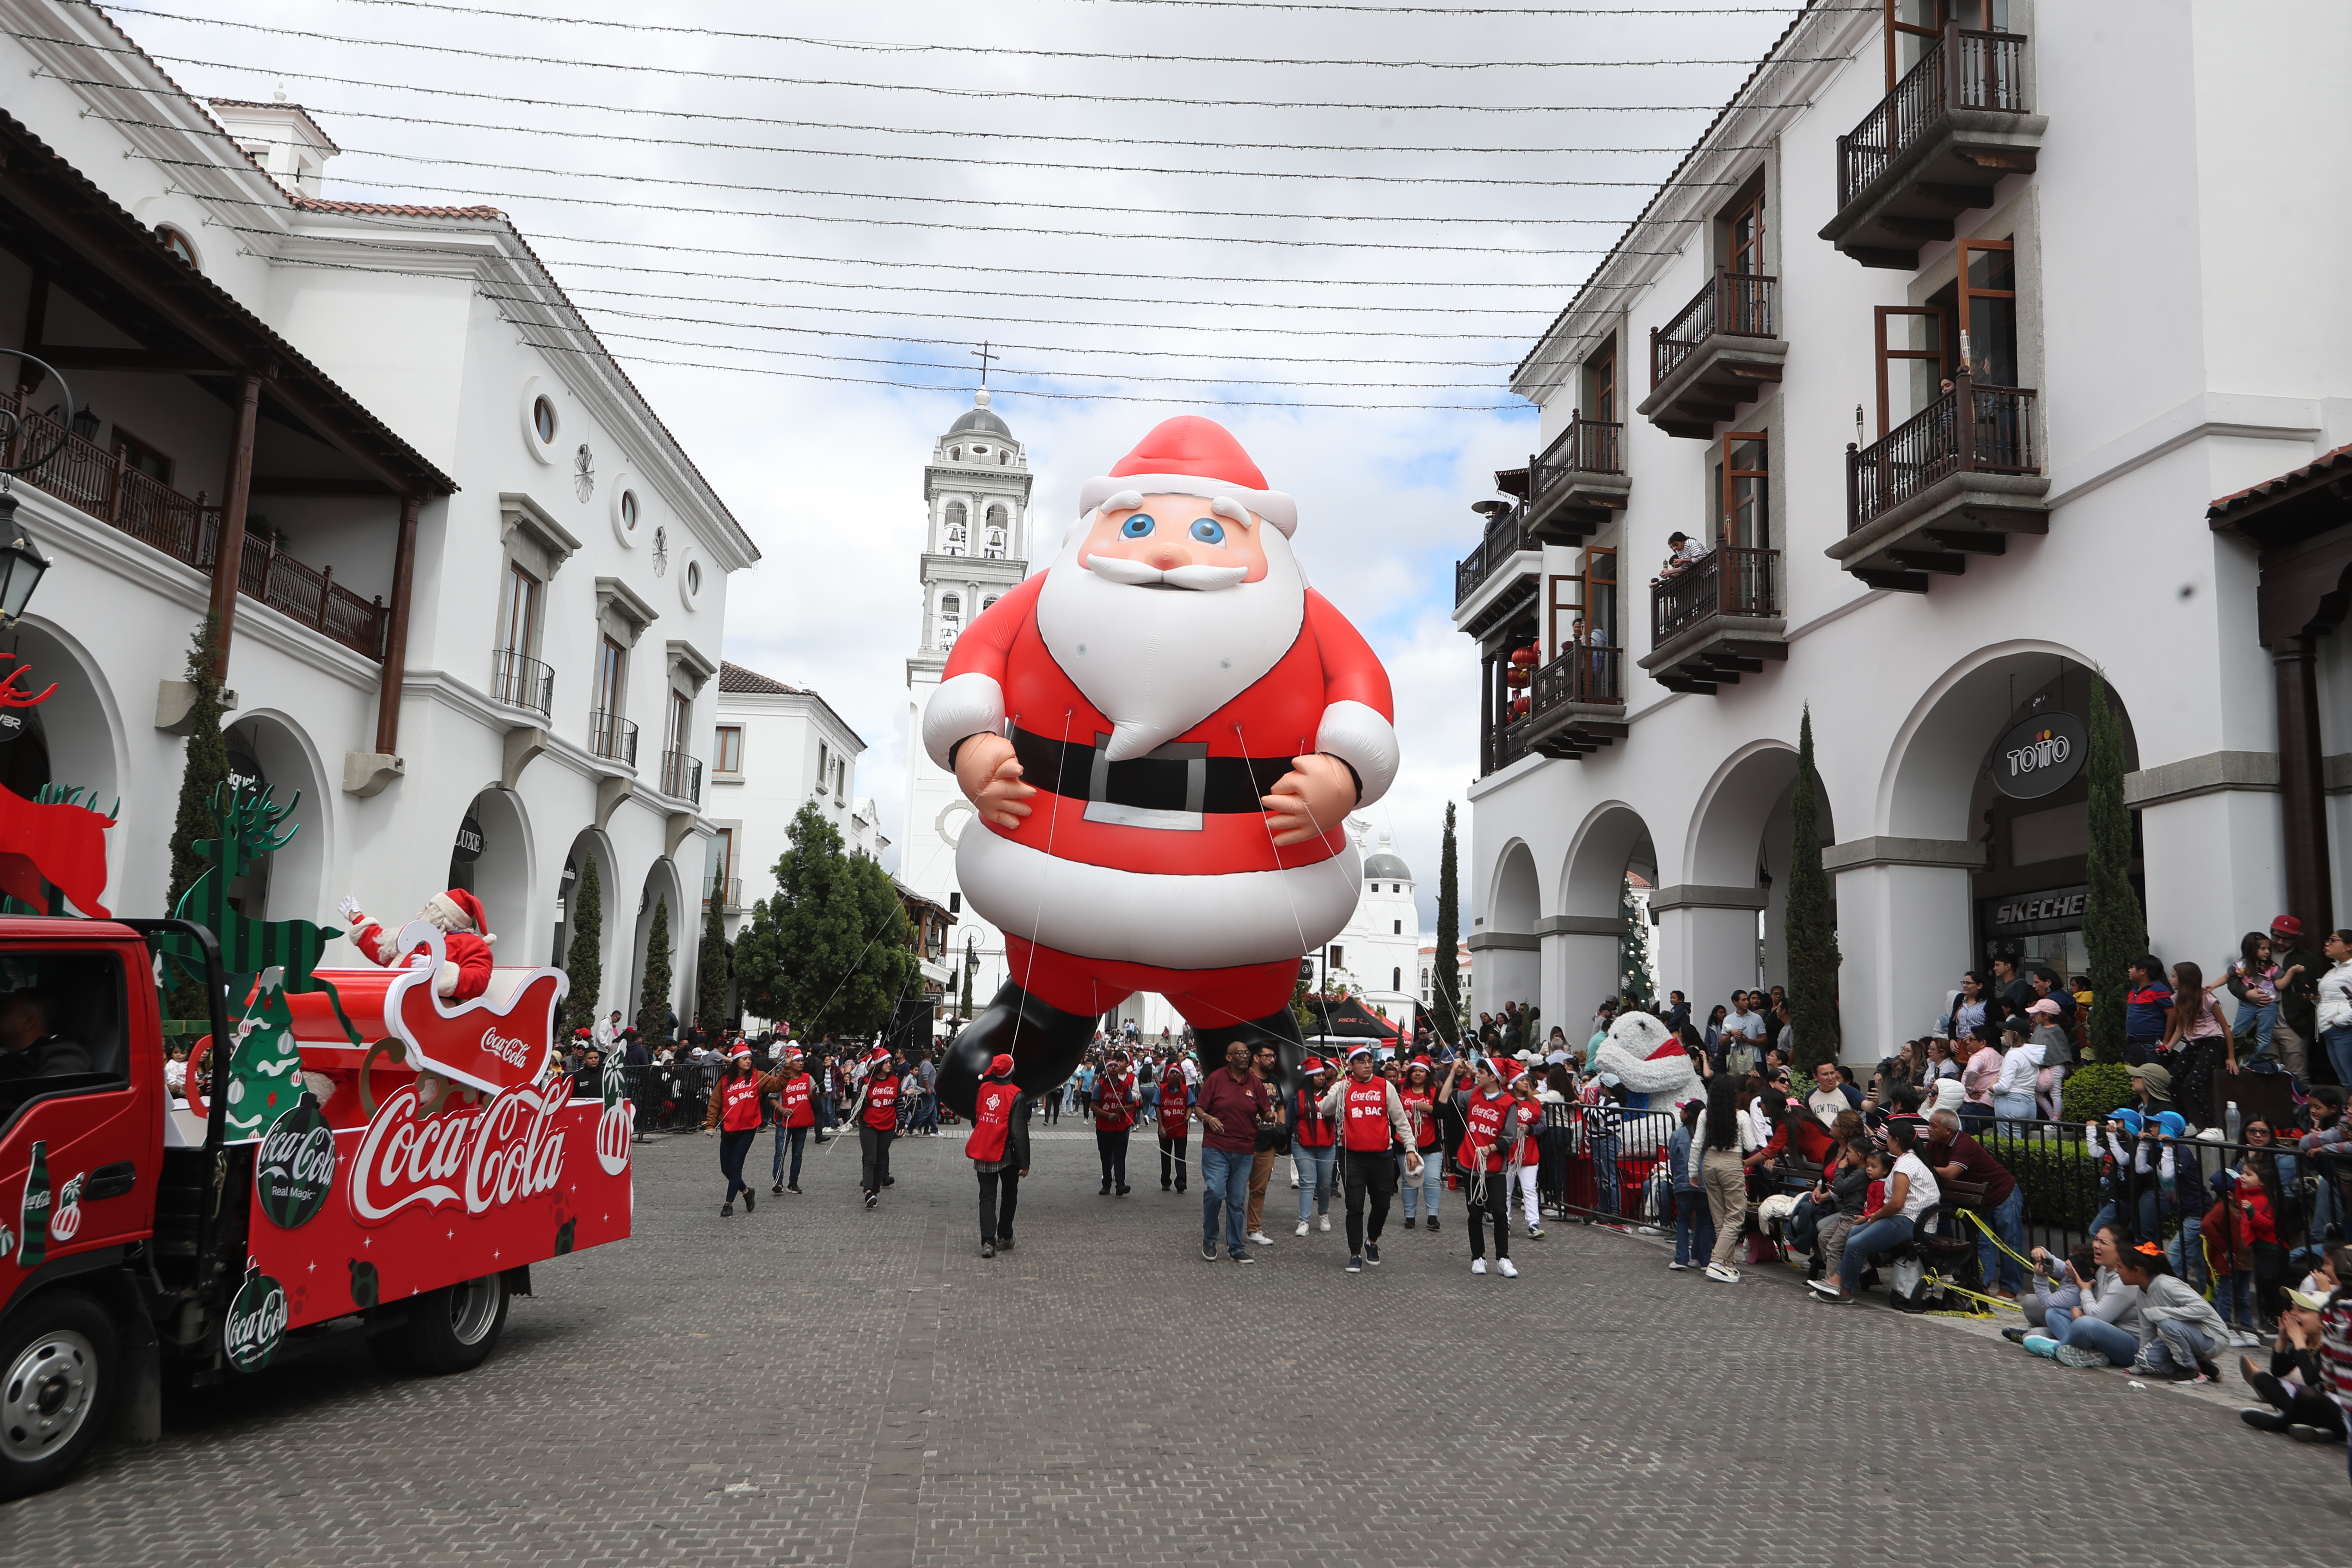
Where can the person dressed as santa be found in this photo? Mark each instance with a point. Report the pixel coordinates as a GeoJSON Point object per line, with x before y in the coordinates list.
{"type": "Point", "coordinates": [1162, 734]}
{"type": "Point", "coordinates": [465, 949]}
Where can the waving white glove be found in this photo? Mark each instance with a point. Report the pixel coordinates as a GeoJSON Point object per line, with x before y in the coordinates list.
{"type": "Point", "coordinates": [350, 909]}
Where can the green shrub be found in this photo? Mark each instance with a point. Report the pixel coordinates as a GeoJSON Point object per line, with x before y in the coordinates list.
{"type": "Point", "coordinates": [2095, 1089]}
{"type": "Point", "coordinates": [2058, 1175]}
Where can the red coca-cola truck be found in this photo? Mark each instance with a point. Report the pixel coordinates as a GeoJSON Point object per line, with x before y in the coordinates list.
{"type": "Point", "coordinates": [394, 1179]}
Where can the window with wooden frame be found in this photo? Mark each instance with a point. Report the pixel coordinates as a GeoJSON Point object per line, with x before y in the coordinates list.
{"type": "Point", "coordinates": [1563, 615]}
{"type": "Point", "coordinates": [1914, 360]}
{"type": "Point", "coordinates": [1987, 310]}
{"type": "Point", "coordinates": [1743, 231]}
{"type": "Point", "coordinates": [1600, 598]}
{"type": "Point", "coordinates": [137, 454]}
{"type": "Point", "coordinates": [729, 750]}
{"type": "Point", "coordinates": [722, 864]}
{"type": "Point", "coordinates": [1600, 384]}
{"type": "Point", "coordinates": [520, 626]}
{"type": "Point", "coordinates": [1914, 26]}
{"type": "Point", "coordinates": [1744, 483]}
{"type": "Point", "coordinates": [611, 678]}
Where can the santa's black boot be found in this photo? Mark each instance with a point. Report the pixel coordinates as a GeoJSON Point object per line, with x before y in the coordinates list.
{"type": "Point", "coordinates": [1279, 1030]}
{"type": "Point", "coordinates": [1043, 1042]}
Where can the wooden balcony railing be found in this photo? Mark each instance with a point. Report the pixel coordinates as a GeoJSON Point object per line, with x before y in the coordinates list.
{"type": "Point", "coordinates": [613, 738]}
{"type": "Point", "coordinates": [1995, 437]}
{"type": "Point", "coordinates": [1731, 580]}
{"type": "Point", "coordinates": [1586, 447]}
{"type": "Point", "coordinates": [1963, 69]}
{"type": "Point", "coordinates": [1737, 304]}
{"type": "Point", "coordinates": [1582, 675]}
{"type": "Point", "coordinates": [1507, 535]}
{"type": "Point", "coordinates": [86, 476]}
{"type": "Point", "coordinates": [522, 682]}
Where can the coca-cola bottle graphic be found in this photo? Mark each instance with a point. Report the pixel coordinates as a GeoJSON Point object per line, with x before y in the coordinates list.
{"type": "Point", "coordinates": [35, 1215]}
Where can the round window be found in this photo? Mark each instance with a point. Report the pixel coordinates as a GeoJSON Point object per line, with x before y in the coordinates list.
{"type": "Point", "coordinates": [543, 418]}
{"type": "Point", "coordinates": [980, 451]}
{"type": "Point", "coordinates": [629, 510]}
{"type": "Point", "coordinates": [693, 577]}
{"type": "Point", "coordinates": [176, 243]}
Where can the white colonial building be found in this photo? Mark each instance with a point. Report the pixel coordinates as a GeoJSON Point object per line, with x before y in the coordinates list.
{"type": "Point", "coordinates": [776, 747]}
{"type": "Point", "coordinates": [1938, 344]}
{"type": "Point", "coordinates": [1378, 955]}
{"type": "Point", "coordinates": [975, 548]}
{"type": "Point", "coordinates": [474, 591]}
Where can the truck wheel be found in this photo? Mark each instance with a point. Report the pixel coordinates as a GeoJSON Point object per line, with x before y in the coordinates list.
{"type": "Point", "coordinates": [453, 1329]}
{"type": "Point", "coordinates": [59, 1365]}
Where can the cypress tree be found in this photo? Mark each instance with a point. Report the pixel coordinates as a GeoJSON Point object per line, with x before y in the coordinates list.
{"type": "Point", "coordinates": [202, 774]}
{"type": "Point", "coordinates": [712, 964]}
{"type": "Point", "coordinates": [653, 1000]}
{"type": "Point", "coordinates": [1448, 982]}
{"type": "Point", "coordinates": [584, 961]}
{"type": "Point", "coordinates": [2115, 927]}
{"type": "Point", "coordinates": [1811, 930]}
{"type": "Point", "coordinates": [971, 968]}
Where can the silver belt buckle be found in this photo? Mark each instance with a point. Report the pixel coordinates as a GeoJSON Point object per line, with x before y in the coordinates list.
{"type": "Point", "coordinates": [1193, 755]}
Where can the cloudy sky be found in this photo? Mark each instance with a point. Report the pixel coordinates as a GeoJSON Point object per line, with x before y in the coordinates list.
{"type": "Point", "coordinates": [1332, 228]}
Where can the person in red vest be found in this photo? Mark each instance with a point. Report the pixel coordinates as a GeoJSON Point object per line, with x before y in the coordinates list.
{"type": "Point", "coordinates": [1373, 1121]}
{"type": "Point", "coordinates": [1175, 1122]}
{"type": "Point", "coordinates": [999, 1150]}
{"type": "Point", "coordinates": [1314, 1143]}
{"type": "Point", "coordinates": [1162, 735]}
{"type": "Point", "coordinates": [1422, 1095]}
{"type": "Point", "coordinates": [1491, 1131]}
{"type": "Point", "coordinates": [1116, 1097]}
{"type": "Point", "coordinates": [877, 1124]}
{"type": "Point", "coordinates": [735, 1112]}
{"type": "Point", "coordinates": [797, 1094]}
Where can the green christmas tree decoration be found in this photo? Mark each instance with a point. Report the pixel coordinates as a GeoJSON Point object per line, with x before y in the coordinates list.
{"type": "Point", "coordinates": [1812, 924]}
{"type": "Point", "coordinates": [1632, 948]}
{"type": "Point", "coordinates": [265, 1066]}
{"type": "Point", "coordinates": [653, 999]}
{"type": "Point", "coordinates": [2115, 927]}
{"type": "Point", "coordinates": [583, 963]}
{"type": "Point", "coordinates": [1448, 982]}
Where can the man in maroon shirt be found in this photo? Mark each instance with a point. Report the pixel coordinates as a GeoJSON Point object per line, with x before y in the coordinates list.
{"type": "Point", "coordinates": [1232, 1102]}
{"type": "Point", "coordinates": [1954, 1156]}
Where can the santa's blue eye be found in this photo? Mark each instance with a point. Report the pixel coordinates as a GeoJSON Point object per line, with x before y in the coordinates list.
{"type": "Point", "coordinates": [1208, 530]}
{"type": "Point", "coordinates": [1137, 526]}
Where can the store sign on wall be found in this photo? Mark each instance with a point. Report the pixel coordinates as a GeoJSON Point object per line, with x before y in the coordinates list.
{"type": "Point", "coordinates": [469, 840]}
{"type": "Point", "coordinates": [2028, 914]}
{"type": "Point", "coordinates": [2040, 756]}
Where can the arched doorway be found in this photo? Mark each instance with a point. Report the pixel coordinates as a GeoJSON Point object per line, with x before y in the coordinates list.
{"type": "Point", "coordinates": [660, 886]}
{"type": "Point", "coordinates": [491, 858]}
{"type": "Point", "coordinates": [1733, 911]}
{"type": "Point", "coordinates": [590, 845]}
{"type": "Point", "coordinates": [1508, 966]}
{"type": "Point", "coordinates": [1583, 942]}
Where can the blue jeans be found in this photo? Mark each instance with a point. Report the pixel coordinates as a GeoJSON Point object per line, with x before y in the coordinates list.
{"type": "Point", "coordinates": [2015, 1106]}
{"type": "Point", "coordinates": [1225, 1178]}
{"type": "Point", "coordinates": [1317, 1169]}
{"type": "Point", "coordinates": [2339, 1051]}
{"type": "Point", "coordinates": [2234, 1298]}
{"type": "Point", "coordinates": [2258, 1023]}
{"type": "Point", "coordinates": [1867, 1242]}
{"type": "Point", "coordinates": [1432, 1182]}
{"type": "Point", "coordinates": [2120, 1346]}
{"type": "Point", "coordinates": [2009, 1223]}
{"type": "Point", "coordinates": [797, 1137]}
{"type": "Point", "coordinates": [1607, 1196]}
{"type": "Point", "coordinates": [2176, 1344]}
{"type": "Point", "coordinates": [1693, 1227]}
{"type": "Point", "coordinates": [2186, 1251]}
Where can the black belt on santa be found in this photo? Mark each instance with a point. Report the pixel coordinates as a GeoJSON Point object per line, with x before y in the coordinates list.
{"type": "Point", "coordinates": [1177, 776]}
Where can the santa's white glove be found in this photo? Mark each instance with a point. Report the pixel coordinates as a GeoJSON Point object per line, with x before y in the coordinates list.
{"type": "Point", "coordinates": [350, 909]}
{"type": "Point", "coordinates": [421, 959]}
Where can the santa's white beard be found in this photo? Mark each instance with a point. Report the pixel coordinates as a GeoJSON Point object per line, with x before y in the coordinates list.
{"type": "Point", "coordinates": [1158, 660]}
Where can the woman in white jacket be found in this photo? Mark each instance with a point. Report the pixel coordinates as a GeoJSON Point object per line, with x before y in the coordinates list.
{"type": "Point", "coordinates": [2021, 1072]}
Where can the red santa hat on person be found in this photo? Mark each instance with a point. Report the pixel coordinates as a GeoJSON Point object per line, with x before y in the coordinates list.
{"type": "Point", "coordinates": [740, 1054]}
{"type": "Point", "coordinates": [1189, 456]}
{"type": "Point", "coordinates": [1000, 1065]}
{"type": "Point", "coordinates": [458, 910]}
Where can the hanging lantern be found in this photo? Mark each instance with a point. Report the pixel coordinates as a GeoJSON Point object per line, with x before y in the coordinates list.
{"type": "Point", "coordinates": [1524, 658]}
{"type": "Point", "coordinates": [1515, 678]}
{"type": "Point", "coordinates": [1519, 706]}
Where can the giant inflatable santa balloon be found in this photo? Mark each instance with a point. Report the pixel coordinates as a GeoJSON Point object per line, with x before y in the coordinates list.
{"type": "Point", "coordinates": [1162, 733]}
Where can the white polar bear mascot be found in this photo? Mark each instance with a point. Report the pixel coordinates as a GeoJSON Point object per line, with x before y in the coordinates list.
{"type": "Point", "coordinates": [1654, 1068]}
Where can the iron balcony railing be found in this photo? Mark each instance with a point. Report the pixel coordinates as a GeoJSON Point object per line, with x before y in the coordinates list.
{"type": "Point", "coordinates": [1994, 435]}
{"type": "Point", "coordinates": [613, 738]}
{"type": "Point", "coordinates": [681, 776]}
{"type": "Point", "coordinates": [1963, 69]}
{"type": "Point", "coordinates": [522, 682]}
{"type": "Point", "coordinates": [1586, 447]}
{"type": "Point", "coordinates": [1507, 535]}
{"type": "Point", "coordinates": [1733, 304]}
{"type": "Point", "coordinates": [728, 891]}
{"type": "Point", "coordinates": [86, 476]}
{"type": "Point", "coordinates": [1731, 580]}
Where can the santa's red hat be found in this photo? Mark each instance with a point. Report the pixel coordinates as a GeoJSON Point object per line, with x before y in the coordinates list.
{"type": "Point", "coordinates": [462, 911]}
{"type": "Point", "coordinates": [1000, 1065]}
{"type": "Point", "coordinates": [1189, 456]}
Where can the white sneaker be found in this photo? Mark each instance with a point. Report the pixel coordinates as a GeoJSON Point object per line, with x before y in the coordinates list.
{"type": "Point", "coordinates": [1728, 1276]}
{"type": "Point", "coordinates": [1477, 1265]}
{"type": "Point", "coordinates": [1293, 1181]}
{"type": "Point", "coordinates": [1679, 1267]}
{"type": "Point", "coordinates": [1323, 1223]}
{"type": "Point", "coordinates": [1261, 1239]}
{"type": "Point", "coordinates": [1302, 1227]}
{"type": "Point", "coordinates": [1504, 1266]}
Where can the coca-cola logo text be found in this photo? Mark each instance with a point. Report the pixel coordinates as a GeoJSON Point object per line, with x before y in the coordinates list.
{"type": "Point", "coordinates": [511, 1049]}
{"type": "Point", "coordinates": [484, 1158]}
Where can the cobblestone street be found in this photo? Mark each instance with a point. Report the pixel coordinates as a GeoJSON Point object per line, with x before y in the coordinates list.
{"type": "Point", "coordinates": [816, 1383]}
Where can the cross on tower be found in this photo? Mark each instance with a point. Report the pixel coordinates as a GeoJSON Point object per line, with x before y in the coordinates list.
{"type": "Point", "coordinates": [982, 354]}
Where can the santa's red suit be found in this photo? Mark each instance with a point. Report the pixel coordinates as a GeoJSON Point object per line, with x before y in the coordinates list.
{"type": "Point", "coordinates": [465, 946]}
{"type": "Point", "coordinates": [1147, 862]}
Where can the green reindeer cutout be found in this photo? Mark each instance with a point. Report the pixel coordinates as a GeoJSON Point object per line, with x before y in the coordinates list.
{"type": "Point", "coordinates": [249, 826]}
